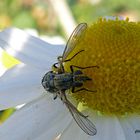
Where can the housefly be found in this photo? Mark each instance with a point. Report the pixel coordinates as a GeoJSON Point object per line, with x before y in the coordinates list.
{"type": "Point", "coordinates": [59, 81]}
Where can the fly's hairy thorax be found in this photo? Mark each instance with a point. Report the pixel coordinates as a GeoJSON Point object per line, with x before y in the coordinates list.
{"type": "Point", "coordinates": [54, 82]}
{"type": "Point", "coordinates": [63, 81]}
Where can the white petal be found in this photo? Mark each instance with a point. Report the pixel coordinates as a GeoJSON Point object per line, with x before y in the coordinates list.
{"type": "Point", "coordinates": [29, 49]}
{"type": "Point", "coordinates": [131, 125]}
{"type": "Point", "coordinates": [19, 85]}
{"type": "Point", "coordinates": [73, 132]}
{"type": "Point", "coordinates": [108, 128]}
{"type": "Point", "coordinates": [34, 120]}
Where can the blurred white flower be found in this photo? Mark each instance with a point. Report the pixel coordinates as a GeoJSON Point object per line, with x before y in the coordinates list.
{"type": "Point", "coordinates": [42, 118]}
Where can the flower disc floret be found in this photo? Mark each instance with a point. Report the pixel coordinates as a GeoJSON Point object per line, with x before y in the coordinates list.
{"type": "Point", "coordinates": [114, 46]}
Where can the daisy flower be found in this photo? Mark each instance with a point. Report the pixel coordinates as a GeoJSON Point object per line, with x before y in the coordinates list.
{"type": "Point", "coordinates": [114, 108]}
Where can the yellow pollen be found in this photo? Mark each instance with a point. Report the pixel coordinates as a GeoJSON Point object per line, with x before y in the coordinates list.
{"type": "Point", "coordinates": [114, 46]}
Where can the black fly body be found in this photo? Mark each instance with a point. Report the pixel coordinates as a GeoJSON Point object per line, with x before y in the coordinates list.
{"type": "Point", "coordinates": [60, 81]}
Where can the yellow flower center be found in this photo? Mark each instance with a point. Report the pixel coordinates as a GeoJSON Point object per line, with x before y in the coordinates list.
{"type": "Point", "coordinates": [114, 46]}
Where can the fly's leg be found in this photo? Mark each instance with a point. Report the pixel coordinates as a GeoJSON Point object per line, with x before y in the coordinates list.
{"type": "Point", "coordinates": [72, 67]}
{"type": "Point", "coordinates": [79, 84]}
{"type": "Point", "coordinates": [61, 63]}
{"type": "Point", "coordinates": [54, 96]}
{"type": "Point", "coordinates": [61, 94]}
{"type": "Point", "coordinates": [73, 56]}
{"type": "Point", "coordinates": [81, 89]}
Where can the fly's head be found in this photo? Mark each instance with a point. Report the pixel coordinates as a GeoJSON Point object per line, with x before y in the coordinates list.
{"type": "Point", "coordinates": [47, 81]}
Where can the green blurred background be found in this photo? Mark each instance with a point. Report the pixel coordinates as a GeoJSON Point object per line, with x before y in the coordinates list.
{"type": "Point", "coordinates": [59, 17]}
{"type": "Point", "coordinates": [40, 15]}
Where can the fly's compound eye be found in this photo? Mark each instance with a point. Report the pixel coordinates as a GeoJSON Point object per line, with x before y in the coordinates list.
{"type": "Point", "coordinates": [48, 82]}
{"type": "Point", "coordinates": [44, 83]}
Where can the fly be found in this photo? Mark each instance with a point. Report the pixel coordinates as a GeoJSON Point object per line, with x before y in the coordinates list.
{"type": "Point", "coordinates": [57, 82]}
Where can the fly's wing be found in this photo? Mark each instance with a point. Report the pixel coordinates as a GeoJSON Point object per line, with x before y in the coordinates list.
{"type": "Point", "coordinates": [74, 39]}
{"type": "Point", "coordinates": [83, 122]}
